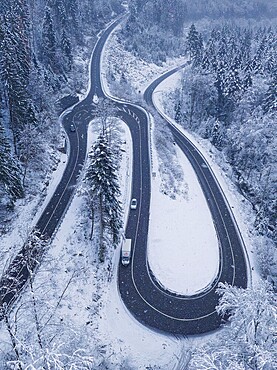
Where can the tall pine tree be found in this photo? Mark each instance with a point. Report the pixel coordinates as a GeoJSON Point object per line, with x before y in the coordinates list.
{"type": "Point", "coordinates": [15, 65]}
{"type": "Point", "coordinates": [49, 43]}
{"type": "Point", "coordinates": [10, 177]}
{"type": "Point", "coordinates": [270, 99]}
{"type": "Point", "coordinates": [103, 190]}
{"type": "Point", "coordinates": [194, 45]}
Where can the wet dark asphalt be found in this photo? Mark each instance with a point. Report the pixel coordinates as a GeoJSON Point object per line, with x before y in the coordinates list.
{"type": "Point", "coordinates": [146, 300]}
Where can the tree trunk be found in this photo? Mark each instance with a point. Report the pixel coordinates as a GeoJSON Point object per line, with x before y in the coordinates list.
{"type": "Point", "coordinates": [101, 230]}
{"type": "Point", "coordinates": [92, 221]}
{"type": "Point", "coordinates": [35, 312]}
{"type": "Point", "coordinates": [13, 339]}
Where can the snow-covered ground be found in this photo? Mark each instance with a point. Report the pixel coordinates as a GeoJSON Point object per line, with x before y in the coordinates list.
{"type": "Point", "coordinates": [183, 260]}
{"type": "Point", "coordinates": [182, 246]}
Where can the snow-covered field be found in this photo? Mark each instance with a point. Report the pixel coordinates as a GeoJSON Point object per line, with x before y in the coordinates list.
{"type": "Point", "coordinates": [182, 249]}
{"type": "Point", "coordinates": [183, 260]}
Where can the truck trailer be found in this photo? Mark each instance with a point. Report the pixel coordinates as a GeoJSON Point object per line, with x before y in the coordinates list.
{"type": "Point", "coordinates": [126, 252]}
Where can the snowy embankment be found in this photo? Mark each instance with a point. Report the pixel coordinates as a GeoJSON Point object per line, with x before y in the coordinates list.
{"type": "Point", "coordinates": [28, 211]}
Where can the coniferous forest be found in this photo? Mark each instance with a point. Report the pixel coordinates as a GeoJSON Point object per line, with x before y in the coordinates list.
{"type": "Point", "coordinates": [38, 43]}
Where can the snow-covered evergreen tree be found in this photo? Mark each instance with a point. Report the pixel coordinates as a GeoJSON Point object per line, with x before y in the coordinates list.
{"type": "Point", "coordinates": [15, 65]}
{"type": "Point", "coordinates": [270, 99]}
{"type": "Point", "coordinates": [178, 114]}
{"type": "Point", "coordinates": [67, 51]}
{"type": "Point", "coordinates": [103, 190]}
{"type": "Point", "coordinates": [194, 45]}
{"type": "Point", "coordinates": [10, 176]}
{"type": "Point", "coordinates": [49, 43]}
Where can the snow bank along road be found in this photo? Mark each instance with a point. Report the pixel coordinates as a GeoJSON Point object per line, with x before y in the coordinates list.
{"type": "Point", "coordinates": [146, 300]}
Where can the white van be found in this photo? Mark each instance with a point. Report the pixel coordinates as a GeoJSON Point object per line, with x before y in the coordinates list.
{"type": "Point", "coordinates": [126, 252]}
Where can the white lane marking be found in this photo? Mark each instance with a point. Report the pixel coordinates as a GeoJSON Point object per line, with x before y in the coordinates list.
{"type": "Point", "coordinates": [150, 277]}
{"type": "Point", "coordinates": [215, 201]}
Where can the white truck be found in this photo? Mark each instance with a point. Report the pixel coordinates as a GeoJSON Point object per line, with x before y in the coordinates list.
{"type": "Point", "coordinates": [126, 252]}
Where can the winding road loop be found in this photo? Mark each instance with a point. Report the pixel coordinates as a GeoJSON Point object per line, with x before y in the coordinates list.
{"type": "Point", "coordinates": [148, 302]}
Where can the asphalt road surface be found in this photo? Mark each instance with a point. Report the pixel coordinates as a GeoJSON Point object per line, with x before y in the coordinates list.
{"type": "Point", "coordinates": [150, 303]}
{"type": "Point", "coordinates": [146, 300]}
